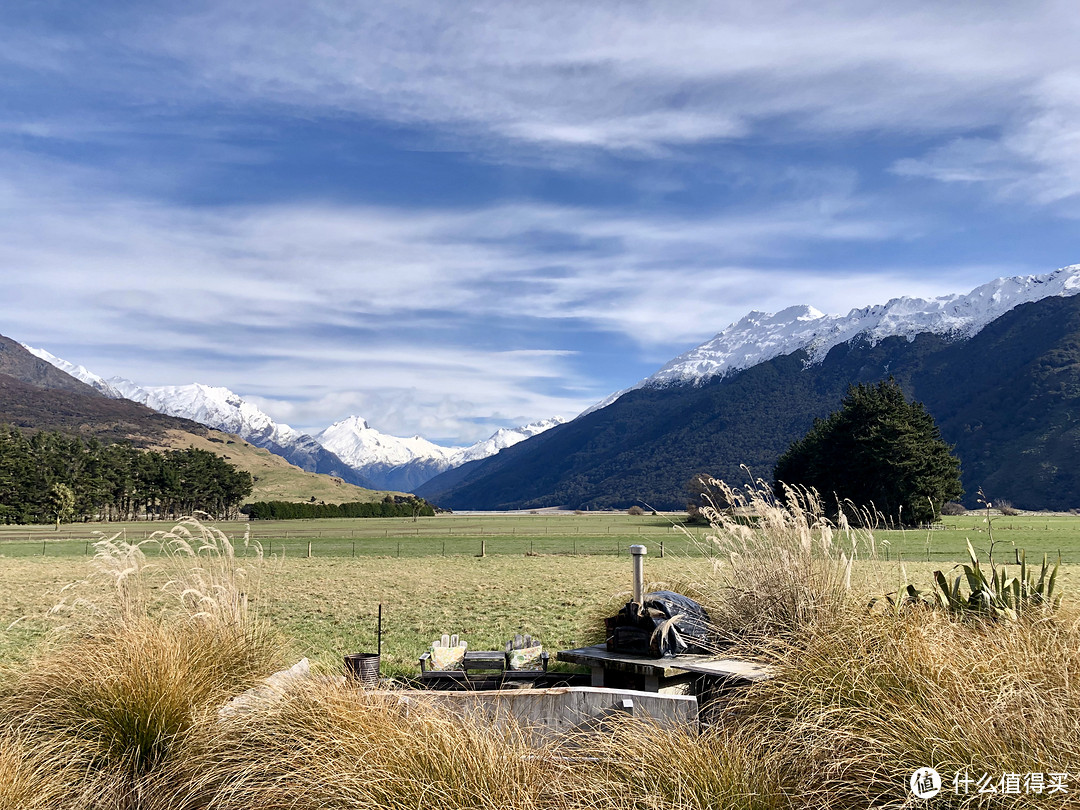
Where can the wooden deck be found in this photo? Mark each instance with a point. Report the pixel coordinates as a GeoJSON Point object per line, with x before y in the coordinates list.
{"type": "Point", "coordinates": [671, 674]}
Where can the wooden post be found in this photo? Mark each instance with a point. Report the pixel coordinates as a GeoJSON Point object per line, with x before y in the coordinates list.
{"type": "Point", "coordinates": [354, 549]}
{"type": "Point", "coordinates": [309, 549]}
{"type": "Point", "coordinates": [661, 548]}
{"type": "Point", "coordinates": [483, 547]}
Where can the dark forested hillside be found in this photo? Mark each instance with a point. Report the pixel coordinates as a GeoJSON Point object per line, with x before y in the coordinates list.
{"type": "Point", "coordinates": [36, 395]}
{"type": "Point", "coordinates": [1008, 398]}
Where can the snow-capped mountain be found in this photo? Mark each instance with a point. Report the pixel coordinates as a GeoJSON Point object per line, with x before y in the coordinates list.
{"type": "Point", "coordinates": [361, 445]}
{"type": "Point", "coordinates": [216, 407]}
{"type": "Point", "coordinates": [350, 449]}
{"type": "Point", "coordinates": [222, 409]}
{"type": "Point", "coordinates": [503, 438]}
{"type": "Point", "coordinates": [997, 368]}
{"type": "Point", "coordinates": [405, 463]}
{"type": "Point", "coordinates": [761, 336]}
{"type": "Point", "coordinates": [80, 373]}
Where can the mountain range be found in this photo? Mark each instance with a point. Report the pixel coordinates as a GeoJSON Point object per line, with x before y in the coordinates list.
{"type": "Point", "coordinates": [998, 368]}
{"type": "Point", "coordinates": [35, 395]}
{"type": "Point", "coordinates": [349, 449]}
{"type": "Point", "coordinates": [406, 463]}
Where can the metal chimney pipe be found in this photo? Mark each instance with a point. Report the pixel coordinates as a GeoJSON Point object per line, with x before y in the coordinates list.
{"type": "Point", "coordinates": [638, 553]}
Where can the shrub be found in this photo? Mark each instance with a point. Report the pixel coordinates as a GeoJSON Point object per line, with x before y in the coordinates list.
{"type": "Point", "coordinates": [1007, 509]}
{"type": "Point", "coordinates": [953, 509]}
{"type": "Point", "coordinates": [635, 511]}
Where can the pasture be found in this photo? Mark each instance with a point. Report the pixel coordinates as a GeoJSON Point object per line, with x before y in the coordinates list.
{"type": "Point", "coordinates": [551, 575]}
{"type": "Point", "coordinates": [125, 710]}
{"type": "Point", "coordinates": [557, 533]}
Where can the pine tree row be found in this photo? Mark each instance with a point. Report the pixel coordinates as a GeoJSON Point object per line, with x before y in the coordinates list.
{"type": "Point", "coordinates": [50, 477]}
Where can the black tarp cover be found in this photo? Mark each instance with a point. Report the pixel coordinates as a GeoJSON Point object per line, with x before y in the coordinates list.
{"type": "Point", "coordinates": [648, 629]}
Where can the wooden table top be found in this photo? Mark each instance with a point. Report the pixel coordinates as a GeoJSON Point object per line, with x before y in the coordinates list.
{"type": "Point", "coordinates": [672, 666]}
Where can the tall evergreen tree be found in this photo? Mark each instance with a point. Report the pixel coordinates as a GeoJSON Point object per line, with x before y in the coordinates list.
{"type": "Point", "coordinates": [878, 450]}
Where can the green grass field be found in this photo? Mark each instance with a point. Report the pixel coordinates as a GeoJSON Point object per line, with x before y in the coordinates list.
{"type": "Point", "coordinates": [598, 534]}
{"type": "Point", "coordinates": [549, 575]}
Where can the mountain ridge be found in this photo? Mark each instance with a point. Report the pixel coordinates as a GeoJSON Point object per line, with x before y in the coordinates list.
{"type": "Point", "coordinates": [647, 442]}
{"type": "Point", "coordinates": [349, 449]}
{"type": "Point", "coordinates": [760, 336]}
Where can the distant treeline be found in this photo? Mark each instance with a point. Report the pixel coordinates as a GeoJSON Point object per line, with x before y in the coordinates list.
{"type": "Point", "coordinates": [388, 507]}
{"type": "Point", "coordinates": [49, 477]}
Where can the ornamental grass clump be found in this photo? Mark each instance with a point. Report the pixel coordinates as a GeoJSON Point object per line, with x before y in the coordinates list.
{"type": "Point", "coordinates": [325, 746]}
{"type": "Point", "coordinates": [34, 775]}
{"type": "Point", "coordinates": [859, 706]}
{"type": "Point", "coordinates": [778, 566]}
{"type": "Point", "coordinates": [637, 764]}
{"type": "Point", "coordinates": [144, 659]}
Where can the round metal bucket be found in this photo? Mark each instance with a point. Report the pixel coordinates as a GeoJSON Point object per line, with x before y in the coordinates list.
{"type": "Point", "coordinates": [363, 668]}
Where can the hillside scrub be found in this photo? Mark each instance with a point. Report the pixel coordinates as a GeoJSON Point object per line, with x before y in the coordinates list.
{"type": "Point", "coordinates": [122, 708]}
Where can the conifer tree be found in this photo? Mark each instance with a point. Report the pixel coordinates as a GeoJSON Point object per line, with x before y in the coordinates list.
{"type": "Point", "coordinates": [879, 450]}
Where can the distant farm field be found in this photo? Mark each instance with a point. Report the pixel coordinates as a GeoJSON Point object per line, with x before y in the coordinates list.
{"type": "Point", "coordinates": [596, 534]}
{"type": "Point", "coordinates": [548, 575]}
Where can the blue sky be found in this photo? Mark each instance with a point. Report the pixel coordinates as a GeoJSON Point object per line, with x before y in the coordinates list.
{"type": "Point", "coordinates": [451, 217]}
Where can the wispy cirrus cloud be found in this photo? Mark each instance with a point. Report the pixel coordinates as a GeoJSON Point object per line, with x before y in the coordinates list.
{"type": "Point", "coordinates": [404, 314]}
{"type": "Point", "coordinates": [445, 215]}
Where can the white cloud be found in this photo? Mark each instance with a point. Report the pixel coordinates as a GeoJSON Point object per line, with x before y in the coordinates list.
{"type": "Point", "coordinates": [620, 75]}
{"type": "Point", "coordinates": [1034, 158]}
{"type": "Point", "coordinates": [501, 79]}
{"type": "Point", "coordinates": [607, 74]}
{"type": "Point", "coordinates": [400, 315]}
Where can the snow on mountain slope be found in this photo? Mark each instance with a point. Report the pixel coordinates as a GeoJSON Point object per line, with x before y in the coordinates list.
{"type": "Point", "coordinates": [350, 449]}
{"type": "Point", "coordinates": [405, 463]}
{"type": "Point", "coordinates": [80, 373]}
{"type": "Point", "coordinates": [360, 445]}
{"type": "Point", "coordinates": [216, 407]}
{"type": "Point", "coordinates": [503, 438]}
{"type": "Point", "coordinates": [222, 409]}
{"type": "Point", "coordinates": [761, 336]}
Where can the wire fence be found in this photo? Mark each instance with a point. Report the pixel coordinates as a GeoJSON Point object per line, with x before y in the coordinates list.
{"type": "Point", "coordinates": [468, 536]}
{"type": "Point", "coordinates": [402, 546]}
